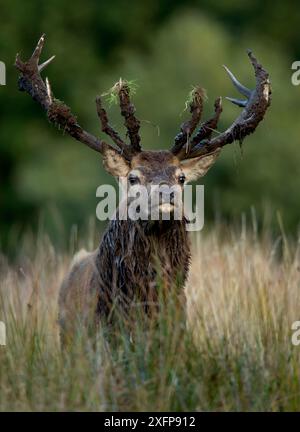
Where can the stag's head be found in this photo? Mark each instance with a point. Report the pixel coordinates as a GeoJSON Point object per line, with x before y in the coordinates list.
{"type": "Point", "coordinates": [195, 148]}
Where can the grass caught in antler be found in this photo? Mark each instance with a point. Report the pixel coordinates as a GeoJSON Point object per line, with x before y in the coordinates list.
{"type": "Point", "coordinates": [196, 93]}
{"type": "Point", "coordinates": [112, 95]}
{"type": "Point", "coordinates": [242, 298]}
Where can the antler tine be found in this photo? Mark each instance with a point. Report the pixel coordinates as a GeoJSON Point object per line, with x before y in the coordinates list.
{"type": "Point", "coordinates": [254, 110]}
{"type": "Point", "coordinates": [49, 91]}
{"type": "Point", "coordinates": [35, 57]}
{"type": "Point", "coordinates": [46, 63]}
{"type": "Point", "coordinates": [210, 125]}
{"type": "Point", "coordinates": [240, 87]}
{"type": "Point", "coordinates": [239, 102]}
{"type": "Point", "coordinates": [110, 131]}
{"type": "Point", "coordinates": [58, 112]}
{"type": "Point", "coordinates": [132, 124]}
{"type": "Point", "coordinates": [187, 128]}
{"type": "Point", "coordinates": [205, 130]}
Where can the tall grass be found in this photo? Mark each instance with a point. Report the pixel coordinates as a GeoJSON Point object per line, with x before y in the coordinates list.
{"type": "Point", "coordinates": [233, 352]}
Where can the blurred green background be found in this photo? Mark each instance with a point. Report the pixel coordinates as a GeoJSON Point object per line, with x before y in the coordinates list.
{"type": "Point", "coordinates": [167, 46]}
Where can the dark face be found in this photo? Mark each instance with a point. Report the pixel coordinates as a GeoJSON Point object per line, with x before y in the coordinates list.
{"type": "Point", "coordinates": [160, 173]}
{"type": "Point", "coordinates": [155, 168]}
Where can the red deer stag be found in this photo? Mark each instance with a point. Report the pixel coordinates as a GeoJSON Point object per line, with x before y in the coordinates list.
{"type": "Point", "coordinates": [123, 270]}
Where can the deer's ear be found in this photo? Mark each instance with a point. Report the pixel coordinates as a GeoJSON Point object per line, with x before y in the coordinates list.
{"type": "Point", "coordinates": [115, 163]}
{"type": "Point", "coordinates": [198, 167]}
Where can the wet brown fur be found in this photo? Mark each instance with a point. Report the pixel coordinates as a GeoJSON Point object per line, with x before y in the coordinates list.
{"type": "Point", "coordinates": [131, 255]}
{"type": "Point", "coordinates": [134, 260]}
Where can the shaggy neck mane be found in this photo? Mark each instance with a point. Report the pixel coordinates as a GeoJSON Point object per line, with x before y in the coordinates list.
{"type": "Point", "coordinates": [136, 254]}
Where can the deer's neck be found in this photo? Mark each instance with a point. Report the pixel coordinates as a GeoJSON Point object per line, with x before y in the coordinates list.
{"type": "Point", "coordinates": [135, 254]}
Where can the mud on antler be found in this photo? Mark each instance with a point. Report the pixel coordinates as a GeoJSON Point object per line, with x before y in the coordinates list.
{"type": "Point", "coordinates": [61, 115]}
{"type": "Point", "coordinates": [186, 145]}
{"type": "Point", "coordinates": [255, 106]}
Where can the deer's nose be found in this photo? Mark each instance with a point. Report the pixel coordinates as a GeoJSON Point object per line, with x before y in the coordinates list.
{"type": "Point", "coordinates": [166, 194]}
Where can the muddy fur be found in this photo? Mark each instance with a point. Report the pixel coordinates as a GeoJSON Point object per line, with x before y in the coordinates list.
{"type": "Point", "coordinates": [134, 256]}
{"type": "Point", "coordinates": [137, 257]}
{"type": "Point", "coordinates": [137, 262]}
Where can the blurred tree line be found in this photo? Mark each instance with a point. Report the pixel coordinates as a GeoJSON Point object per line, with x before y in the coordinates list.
{"type": "Point", "coordinates": [167, 46]}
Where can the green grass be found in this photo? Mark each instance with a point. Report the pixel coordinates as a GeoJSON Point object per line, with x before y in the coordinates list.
{"type": "Point", "coordinates": [112, 95]}
{"type": "Point", "coordinates": [233, 352]}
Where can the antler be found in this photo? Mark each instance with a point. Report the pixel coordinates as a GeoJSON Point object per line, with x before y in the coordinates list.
{"type": "Point", "coordinates": [185, 147]}
{"type": "Point", "coordinates": [60, 114]}
{"type": "Point", "coordinates": [131, 122]}
{"type": "Point", "coordinates": [255, 106]}
{"type": "Point", "coordinates": [187, 128]}
{"type": "Point", "coordinates": [127, 110]}
{"type": "Point", "coordinates": [108, 129]}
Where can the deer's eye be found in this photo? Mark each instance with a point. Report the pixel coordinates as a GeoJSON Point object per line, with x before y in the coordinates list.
{"type": "Point", "coordinates": [181, 178]}
{"type": "Point", "coordinates": [133, 180]}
